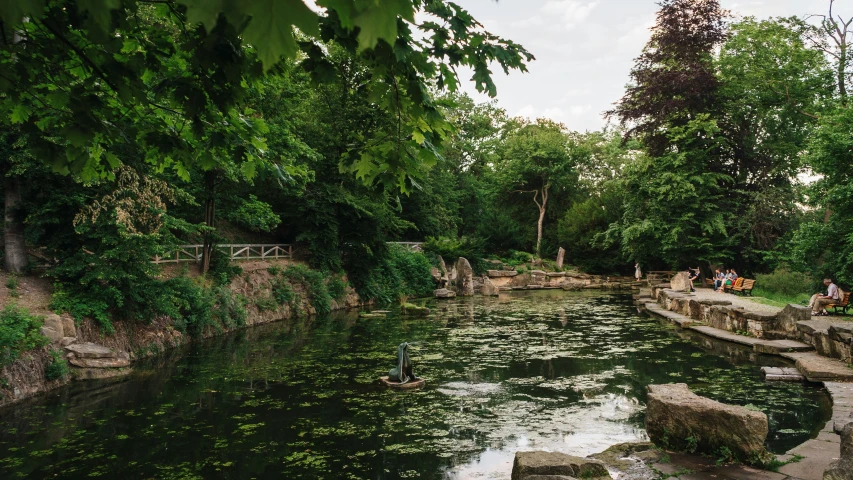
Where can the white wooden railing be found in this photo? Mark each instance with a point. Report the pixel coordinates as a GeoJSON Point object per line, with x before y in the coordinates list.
{"type": "Point", "coordinates": [416, 246]}
{"type": "Point", "coordinates": [193, 253]}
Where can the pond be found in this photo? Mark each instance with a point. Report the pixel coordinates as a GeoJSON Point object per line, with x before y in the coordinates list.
{"type": "Point", "coordinates": [543, 370]}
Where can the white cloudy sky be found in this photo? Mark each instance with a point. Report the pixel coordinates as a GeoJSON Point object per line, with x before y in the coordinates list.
{"type": "Point", "coordinates": [585, 48]}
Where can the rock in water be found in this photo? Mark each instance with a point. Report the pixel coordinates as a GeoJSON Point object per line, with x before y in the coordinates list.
{"type": "Point", "coordinates": [489, 288]}
{"type": "Point", "coordinates": [528, 464]}
{"type": "Point", "coordinates": [843, 468]}
{"type": "Point", "coordinates": [443, 293]}
{"type": "Point", "coordinates": [561, 255]}
{"type": "Point", "coordinates": [680, 282]}
{"type": "Point", "coordinates": [464, 278]}
{"type": "Point", "coordinates": [677, 418]}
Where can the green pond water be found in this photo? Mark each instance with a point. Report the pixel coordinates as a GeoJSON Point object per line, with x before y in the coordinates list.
{"type": "Point", "coordinates": [546, 370]}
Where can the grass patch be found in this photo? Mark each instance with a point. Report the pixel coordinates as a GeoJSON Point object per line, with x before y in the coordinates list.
{"type": "Point", "coordinates": [779, 299]}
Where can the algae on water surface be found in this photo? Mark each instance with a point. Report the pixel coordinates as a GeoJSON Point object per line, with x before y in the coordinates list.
{"type": "Point", "coordinates": [553, 370]}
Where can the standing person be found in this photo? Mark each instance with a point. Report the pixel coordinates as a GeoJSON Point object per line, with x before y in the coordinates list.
{"type": "Point", "coordinates": [819, 301]}
{"type": "Point", "coordinates": [638, 274]}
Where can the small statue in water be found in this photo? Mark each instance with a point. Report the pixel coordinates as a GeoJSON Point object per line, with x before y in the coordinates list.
{"type": "Point", "coordinates": [402, 373]}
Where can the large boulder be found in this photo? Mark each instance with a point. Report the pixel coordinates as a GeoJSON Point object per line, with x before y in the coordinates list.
{"type": "Point", "coordinates": [52, 328]}
{"type": "Point", "coordinates": [464, 278]}
{"type": "Point", "coordinates": [489, 289]}
{"type": "Point", "coordinates": [443, 293]}
{"type": "Point", "coordinates": [677, 418]}
{"type": "Point", "coordinates": [529, 464]}
{"type": "Point", "coordinates": [843, 468]}
{"type": "Point", "coordinates": [561, 255]}
{"type": "Point", "coordinates": [787, 319]}
{"type": "Point", "coordinates": [680, 282]}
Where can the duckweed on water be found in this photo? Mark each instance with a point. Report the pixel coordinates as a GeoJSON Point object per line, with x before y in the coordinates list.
{"type": "Point", "coordinates": [561, 371]}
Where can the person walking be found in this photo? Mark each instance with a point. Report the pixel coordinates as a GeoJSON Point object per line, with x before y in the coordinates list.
{"type": "Point", "coordinates": [638, 274]}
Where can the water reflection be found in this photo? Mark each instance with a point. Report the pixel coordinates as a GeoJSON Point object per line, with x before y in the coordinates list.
{"type": "Point", "coordinates": [549, 370]}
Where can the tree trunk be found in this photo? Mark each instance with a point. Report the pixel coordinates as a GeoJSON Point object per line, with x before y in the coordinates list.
{"type": "Point", "coordinates": [541, 218]}
{"type": "Point", "coordinates": [13, 230]}
{"type": "Point", "coordinates": [209, 219]}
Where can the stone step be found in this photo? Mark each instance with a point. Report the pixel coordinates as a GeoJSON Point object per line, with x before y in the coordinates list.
{"type": "Point", "coordinates": [820, 369]}
{"type": "Point", "coordinates": [90, 350]}
{"type": "Point", "coordinates": [782, 374]}
{"type": "Point", "coordinates": [676, 318]}
{"type": "Point", "coordinates": [773, 347]}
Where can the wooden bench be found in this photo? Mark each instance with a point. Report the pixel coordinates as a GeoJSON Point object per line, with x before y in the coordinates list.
{"type": "Point", "coordinates": [844, 304]}
{"type": "Point", "coordinates": [745, 288]}
{"type": "Point", "coordinates": [729, 288]}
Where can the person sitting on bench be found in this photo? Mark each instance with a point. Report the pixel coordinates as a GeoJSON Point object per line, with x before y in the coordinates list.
{"type": "Point", "coordinates": [693, 274]}
{"type": "Point", "coordinates": [819, 301]}
{"type": "Point", "coordinates": [719, 278]}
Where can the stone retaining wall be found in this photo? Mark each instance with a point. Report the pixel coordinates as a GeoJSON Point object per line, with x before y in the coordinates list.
{"type": "Point", "coordinates": [793, 322]}
{"type": "Point", "coordinates": [539, 279]}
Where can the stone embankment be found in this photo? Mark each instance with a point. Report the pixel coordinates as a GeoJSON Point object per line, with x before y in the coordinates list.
{"type": "Point", "coordinates": [460, 280]}
{"type": "Point", "coordinates": [821, 352]}
{"type": "Point", "coordinates": [93, 355]}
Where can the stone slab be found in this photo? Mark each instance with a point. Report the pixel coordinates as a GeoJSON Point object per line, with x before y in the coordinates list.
{"type": "Point", "coordinates": [501, 273]}
{"type": "Point", "coordinates": [842, 404]}
{"type": "Point", "coordinates": [676, 318]}
{"type": "Point", "coordinates": [99, 373]}
{"type": "Point", "coordinates": [780, 374]}
{"type": "Point", "coordinates": [818, 369]}
{"type": "Point", "coordinates": [817, 457]}
{"type": "Point", "coordinates": [90, 350]}
{"type": "Point", "coordinates": [99, 362]}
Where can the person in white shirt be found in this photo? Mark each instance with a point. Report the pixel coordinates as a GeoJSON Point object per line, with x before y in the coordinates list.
{"type": "Point", "coordinates": [819, 301]}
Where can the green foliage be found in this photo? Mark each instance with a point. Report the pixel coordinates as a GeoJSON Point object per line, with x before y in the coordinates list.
{"type": "Point", "coordinates": [19, 332]}
{"type": "Point", "coordinates": [785, 282]}
{"type": "Point", "coordinates": [266, 304]}
{"type": "Point", "coordinates": [12, 282]}
{"type": "Point", "coordinates": [314, 283]}
{"type": "Point", "coordinates": [397, 272]}
{"type": "Point", "coordinates": [724, 456]}
{"type": "Point", "coordinates": [195, 307]}
{"type": "Point", "coordinates": [451, 248]}
{"type": "Point", "coordinates": [222, 269]}
{"type": "Point", "coordinates": [255, 215]}
{"type": "Point", "coordinates": [337, 287]}
{"type": "Point", "coordinates": [282, 292]}
{"type": "Point", "coordinates": [58, 366]}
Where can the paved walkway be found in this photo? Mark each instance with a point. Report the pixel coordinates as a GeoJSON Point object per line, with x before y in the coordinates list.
{"type": "Point", "coordinates": [737, 301]}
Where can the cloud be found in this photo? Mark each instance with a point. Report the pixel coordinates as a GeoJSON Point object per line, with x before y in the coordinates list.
{"type": "Point", "coordinates": [572, 12]}
{"type": "Point", "coordinates": [526, 111]}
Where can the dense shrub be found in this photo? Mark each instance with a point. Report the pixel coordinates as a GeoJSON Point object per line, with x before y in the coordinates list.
{"type": "Point", "coordinates": [314, 283]}
{"type": "Point", "coordinates": [397, 272]}
{"type": "Point", "coordinates": [452, 248]}
{"type": "Point", "coordinates": [57, 368]}
{"type": "Point", "coordinates": [255, 215]}
{"type": "Point", "coordinates": [785, 282]}
{"type": "Point", "coordinates": [337, 287]}
{"type": "Point", "coordinates": [19, 331]}
{"type": "Point", "coordinates": [196, 307]}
